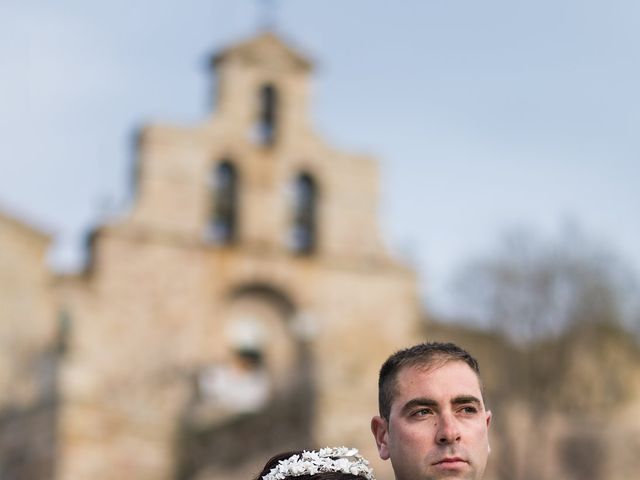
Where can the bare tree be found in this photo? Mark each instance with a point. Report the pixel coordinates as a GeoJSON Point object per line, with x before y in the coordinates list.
{"type": "Point", "coordinates": [531, 288]}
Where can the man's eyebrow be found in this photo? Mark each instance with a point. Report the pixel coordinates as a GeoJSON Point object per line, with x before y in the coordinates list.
{"type": "Point", "coordinates": [419, 402]}
{"type": "Point", "coordinates": [461, 399]}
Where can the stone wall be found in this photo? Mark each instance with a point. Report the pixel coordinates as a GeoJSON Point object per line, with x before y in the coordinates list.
{"type": "Point", "coordinates": [28, 354]}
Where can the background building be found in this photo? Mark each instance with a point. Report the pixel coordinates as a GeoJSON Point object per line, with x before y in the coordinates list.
{"type": "Point", "coordinates": [243, 307]}
{"type": "Point", "coordinates": [245, 303]}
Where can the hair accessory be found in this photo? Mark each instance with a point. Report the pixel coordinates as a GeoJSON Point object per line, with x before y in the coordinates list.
{"type": "Point", "coordinates": [341, 459]}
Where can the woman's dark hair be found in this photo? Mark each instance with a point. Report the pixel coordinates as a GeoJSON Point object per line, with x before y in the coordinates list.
{"type": "Point", "coordinates": [318, 476]}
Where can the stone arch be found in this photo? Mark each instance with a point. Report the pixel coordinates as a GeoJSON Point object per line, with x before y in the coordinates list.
{"type": "Point", "coordinates": [267, 291]}
{"type": "Point", "coordinates": [259, 326]}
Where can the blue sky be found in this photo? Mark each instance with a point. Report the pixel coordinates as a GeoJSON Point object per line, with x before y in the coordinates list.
{"type": "Point", "coordinates": [484, 115]}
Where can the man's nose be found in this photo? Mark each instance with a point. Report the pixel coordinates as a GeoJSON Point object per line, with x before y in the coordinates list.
{"type": "Point", "coordinates": [448, 431]}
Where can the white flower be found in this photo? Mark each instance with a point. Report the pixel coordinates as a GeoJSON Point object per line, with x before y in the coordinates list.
{"type": "Point", "coordinates": [341, 459]}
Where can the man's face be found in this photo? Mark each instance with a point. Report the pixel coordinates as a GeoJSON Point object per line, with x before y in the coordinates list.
{"type": "Point", "coordinates": [438, 426]}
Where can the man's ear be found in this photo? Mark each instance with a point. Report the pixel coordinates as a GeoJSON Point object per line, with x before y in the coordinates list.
{"type": "Point", "coordinates": [380, 430]}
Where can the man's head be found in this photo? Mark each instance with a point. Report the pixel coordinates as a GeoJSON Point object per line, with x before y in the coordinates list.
{"type": "Point", "coordinates": [425, 355]}
{"type": "Point", "coordinates": [432, 423]}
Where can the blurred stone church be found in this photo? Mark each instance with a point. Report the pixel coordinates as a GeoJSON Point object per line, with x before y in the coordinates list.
{"type": "Point", "coordinates": [241, 308]}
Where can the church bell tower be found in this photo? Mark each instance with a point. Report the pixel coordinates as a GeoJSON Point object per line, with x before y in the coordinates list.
{"type": "Point", "coordinates": [246, 302]}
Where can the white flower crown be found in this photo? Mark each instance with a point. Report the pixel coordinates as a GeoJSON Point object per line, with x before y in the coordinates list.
{"type": "Point", "coordinates": [341, 459]}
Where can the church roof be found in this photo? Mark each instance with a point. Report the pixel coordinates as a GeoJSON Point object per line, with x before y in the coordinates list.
{"type": "Point", "coordinates": [265, 48]}
{"type": "Point", "coordinates": [9, 220]}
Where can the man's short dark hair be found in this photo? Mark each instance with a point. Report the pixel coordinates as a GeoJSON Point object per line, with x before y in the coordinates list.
{"type": "Point", "coordinates": [424, 355]}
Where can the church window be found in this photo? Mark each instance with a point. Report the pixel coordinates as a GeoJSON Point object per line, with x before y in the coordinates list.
{"type": "Point", "coordinates": [266, 126]}
{"type": "Point", "coordinates": [224, 217]}
{"type": "Point", "coordinates": [303, 230]}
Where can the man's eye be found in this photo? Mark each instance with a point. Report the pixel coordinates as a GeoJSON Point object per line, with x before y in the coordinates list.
{"type": "Point", "coordinates": [470, 409]}
{"type": "Point", "coordinates": [422, 412]}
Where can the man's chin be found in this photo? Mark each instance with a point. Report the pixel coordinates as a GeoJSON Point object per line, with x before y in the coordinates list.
{"type": "Point", "coordinates": [450, 470]}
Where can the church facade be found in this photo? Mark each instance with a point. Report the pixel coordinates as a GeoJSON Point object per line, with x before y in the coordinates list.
{"type": "Point", "coordinates": [243, 305]}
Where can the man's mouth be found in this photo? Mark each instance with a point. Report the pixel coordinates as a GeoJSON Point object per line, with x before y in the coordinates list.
{"type": "Point", "coordinates": [450, 462]}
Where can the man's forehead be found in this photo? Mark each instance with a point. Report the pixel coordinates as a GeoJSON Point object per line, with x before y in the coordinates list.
{"type": "Point", "coordinates": [411, 373]}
